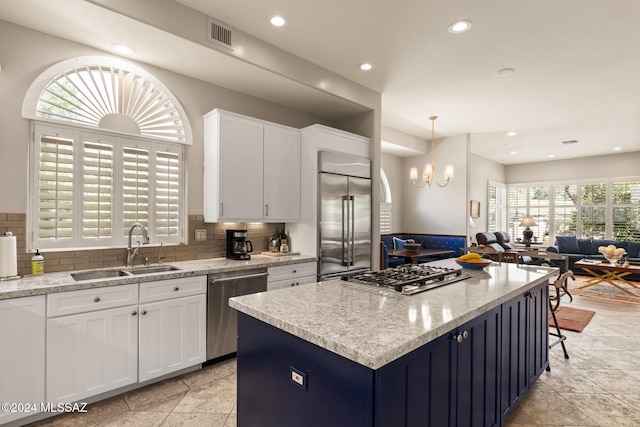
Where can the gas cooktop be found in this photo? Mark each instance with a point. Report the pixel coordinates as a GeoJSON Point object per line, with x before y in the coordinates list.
{"type": "Point", "coordinates": [409, 279]}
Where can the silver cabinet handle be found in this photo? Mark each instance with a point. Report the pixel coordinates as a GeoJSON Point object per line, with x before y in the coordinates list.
{"type": "Point", "coordinates": [461, 336]}
{"type": "Point", "coordinates": [144, 312]}
{"type": "Point", "coordinates": [176, 289]}
{"type": "Point", "coordinates": [266, 209]}
{"type": "Point", "coordinates": [221, 208]}
{"type": "Point", "coordinates": [134, 313]}
{"type": "Point", "coordinates": [96, 299]}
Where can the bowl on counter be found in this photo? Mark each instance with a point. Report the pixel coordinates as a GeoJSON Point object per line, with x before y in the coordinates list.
{"type": "Point", "coordinates": [474, 265]}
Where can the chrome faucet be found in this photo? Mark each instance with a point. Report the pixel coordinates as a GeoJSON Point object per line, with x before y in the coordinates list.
{"type": "Point", "coordinates": [132, 252]}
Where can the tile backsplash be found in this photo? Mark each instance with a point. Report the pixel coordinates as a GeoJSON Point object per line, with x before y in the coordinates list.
{"type": "Point", "coordinates": [212, 247]}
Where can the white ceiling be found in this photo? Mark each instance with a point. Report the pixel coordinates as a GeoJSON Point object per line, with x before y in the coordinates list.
{"type": "Point", "coordinates": [577, 64]}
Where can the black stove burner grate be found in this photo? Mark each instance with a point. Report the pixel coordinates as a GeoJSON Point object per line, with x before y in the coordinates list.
{"type": "Point", "coordinates": [409, 279]}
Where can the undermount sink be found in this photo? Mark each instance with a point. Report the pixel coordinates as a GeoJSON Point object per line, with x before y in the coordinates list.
{"type": "Point", "coordinates": [98, 274]}
{"type": "Point", "coordinates": [105, 274]}
{"type": "Point", "coordinates": [152, 269]}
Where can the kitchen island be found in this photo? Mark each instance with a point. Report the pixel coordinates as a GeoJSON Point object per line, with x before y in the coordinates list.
{"type": "Point", "coordinates": [343, 354]}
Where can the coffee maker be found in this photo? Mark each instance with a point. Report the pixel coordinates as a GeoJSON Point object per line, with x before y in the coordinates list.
{"type": "Point", "coordinates": [238, 247]}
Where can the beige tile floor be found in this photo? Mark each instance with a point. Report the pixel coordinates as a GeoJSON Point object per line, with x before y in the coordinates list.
{"type": "Point", "coordinates": [596, 386]}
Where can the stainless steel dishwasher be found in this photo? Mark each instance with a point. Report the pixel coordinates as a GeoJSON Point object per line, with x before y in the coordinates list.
{"type": "Point", "coordinates": [222, 320]}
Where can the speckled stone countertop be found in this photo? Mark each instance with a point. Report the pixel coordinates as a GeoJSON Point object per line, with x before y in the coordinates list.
{"type": "Point", "coordinates": [61, 282]}
{"type": "Point", "coordinates": [374, 327]}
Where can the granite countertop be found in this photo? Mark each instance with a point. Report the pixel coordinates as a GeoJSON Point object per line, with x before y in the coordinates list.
{"type": "Point", "coordinates": [61, 282]}
{"type": "Point", "coordinates": [374, 327]}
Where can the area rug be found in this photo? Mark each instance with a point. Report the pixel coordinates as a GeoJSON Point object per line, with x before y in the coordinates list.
{"type": "Point", "coordinates": [571, 319]}
{"type": "Point", "coordinates": [604, 290]}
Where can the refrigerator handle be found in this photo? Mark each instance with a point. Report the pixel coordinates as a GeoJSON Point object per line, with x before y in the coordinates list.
{"type": "Point", "coordinates": [345, 236]}
{"type": "Point", "coordinates": [352, 240]}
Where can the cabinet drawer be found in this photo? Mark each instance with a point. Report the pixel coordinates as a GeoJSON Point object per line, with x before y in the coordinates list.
{"type": "Point", "coordinates": [294, 281]}
{"type": "Point", "coordinates": [291, 270]}
{"type": "Point", "coordinates": [172, 288]}
{"type": "Point", "coordinates": [73, 302]}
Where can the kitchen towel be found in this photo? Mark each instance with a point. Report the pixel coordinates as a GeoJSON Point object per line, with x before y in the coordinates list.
{"type": "Point", "coordinates": [8, 256]}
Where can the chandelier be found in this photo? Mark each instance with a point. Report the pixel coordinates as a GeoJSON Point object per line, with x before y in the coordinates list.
{"type": "Point", "coordinates": [430, 169]}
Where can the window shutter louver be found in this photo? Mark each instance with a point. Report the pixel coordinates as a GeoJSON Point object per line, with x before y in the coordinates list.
{"type": "Point", "coordinates": [55, 188]}
{"type": "Point", "coordinates": [167, 185]}
{"type": "Point", "coordinates": [135, 188]}
{"type": "Point", "coordinates": [97, 190]}
{"type": "Point", "coordinates": [626, 210]}
{"type": "Point", "coordinates": [385, 218]}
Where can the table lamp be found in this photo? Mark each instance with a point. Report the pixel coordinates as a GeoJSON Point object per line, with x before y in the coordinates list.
{"type": "Point", "coordinates": [527, 234]}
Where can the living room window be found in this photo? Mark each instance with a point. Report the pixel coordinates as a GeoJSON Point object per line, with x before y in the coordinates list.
{"type": "Point", "coordinates": [600, 209]}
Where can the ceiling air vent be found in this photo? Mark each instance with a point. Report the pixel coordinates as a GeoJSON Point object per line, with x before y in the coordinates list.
{"type": "Point", "coordinates": [571, 141]}
{"type": "Point", "coordinates": [219, 34]}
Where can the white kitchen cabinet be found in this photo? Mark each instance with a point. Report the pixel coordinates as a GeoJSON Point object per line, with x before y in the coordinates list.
{"type": "Point", "coordinates": [91, 353]}
{"type": "Point", "coordinates": [251, 169]}
{"type": "Point", "coordinates": [281, 173]}
{"type": "Point", "coordinates": [172, 325]}
{"type": "Point", "coordinates": [285, 276]}
{"type": "Point", "coordinates": [22, 334]}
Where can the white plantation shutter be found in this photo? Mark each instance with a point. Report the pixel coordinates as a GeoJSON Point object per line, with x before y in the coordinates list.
{"type": "Point", "coordinates": [385, 218]}
{"type": "Point", "coordinates": [55, 207]}
{"type": "Point", "coordinates": [98, 190]}
{"type": "Point", "coordinates": [88, 188]}
{"type": "Point", "coordinates": [135, 187]}
{"type": "Point", "coordinates": [167, 186]}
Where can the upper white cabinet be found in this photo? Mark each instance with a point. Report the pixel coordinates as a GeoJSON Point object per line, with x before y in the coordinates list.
{"type": "Point", "coordinates": [251, 169]}
{"type": "Point", "coordinates": [22, 329]}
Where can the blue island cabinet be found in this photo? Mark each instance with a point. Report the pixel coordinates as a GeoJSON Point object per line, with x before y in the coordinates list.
{"type": "Point", "coordinates": [473, 375]}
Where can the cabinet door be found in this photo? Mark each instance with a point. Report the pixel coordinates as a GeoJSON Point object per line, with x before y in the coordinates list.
{"type": "Point", "coordinates": [281, 174]}
{"type": "Point", "coordinates": [172, 335]}
{"type": "Point", "coordinates": [22, 325]}
{"type": "Point", "coordinates": [475, 371]}
{"type": "Point", "coordinates": [91, 353]}
{"type": "Point", "coordinates": [538, 331]}
{"type": "Point", "coordinates": [514, 378]}
{"type": "Point", "coordinates": [240, 168]}
{"type": "Point", "coordinates": [415, 390]}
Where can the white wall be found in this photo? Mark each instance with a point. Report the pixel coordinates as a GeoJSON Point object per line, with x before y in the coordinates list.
{"type": "Point", "coordinates": [33, 52]}
{"type": "Point", "coordinates": [481, 171]}
{"type": "Point", "coordinates": [438, 210]}
{"type": "Point", "coordinates": [393, 167]}
{"type": "Point", "coordinates": [615, 165]}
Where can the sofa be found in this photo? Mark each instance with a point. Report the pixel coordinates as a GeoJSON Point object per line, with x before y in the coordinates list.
{"type": "Point", "coordinates": [576, 249]}
{"type": "Point", "coordinates": [429, 241]}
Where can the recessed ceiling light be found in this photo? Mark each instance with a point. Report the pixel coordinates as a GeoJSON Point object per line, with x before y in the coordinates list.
{"type": "Point", "coordinates": [505, 72]}
{"type": "Point", "coordinates": [513, 152]}
{"type": "Point", "coordinates": [617, 148]}
{"type": "Point", "coordinates": [366, 66]}
{"type": "Point", "coordinates": [277, 21]}
{"type": "Point", "coordinates": [460, 26]}
{"type": "Point", "coordinates": [123, 49]}
{"type": "Point", "coordinates": [512, 133]}
{"type": "Point", "coordinates": [551, 156]}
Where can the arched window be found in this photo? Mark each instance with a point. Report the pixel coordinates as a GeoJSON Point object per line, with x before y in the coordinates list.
{"type": "Point", "coordinates": [107, 152]}
{"type": "Point", "coordinates": [109, 94]}
{"type": "Point", "coordinates": [385, 204]}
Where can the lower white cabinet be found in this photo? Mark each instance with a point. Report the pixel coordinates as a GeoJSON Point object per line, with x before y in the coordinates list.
{"type": "Point", "coordinates": [285, 276]}
{"type": "Point", "coordinates": [172, 335]}
{"type": "Point", "coordinates": [22, 338]}
{"type": "Point", "coordinates": [102, 339]}
{"type": "Point", "coordinates": [91, 353]}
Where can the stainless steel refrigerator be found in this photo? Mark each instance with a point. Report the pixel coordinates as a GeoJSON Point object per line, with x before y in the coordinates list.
{"type": "Point", "coordinates": [344, 213]}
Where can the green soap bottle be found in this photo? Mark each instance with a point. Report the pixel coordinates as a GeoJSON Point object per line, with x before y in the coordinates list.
{"type": "Point", "coordinates": [37, 263]}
